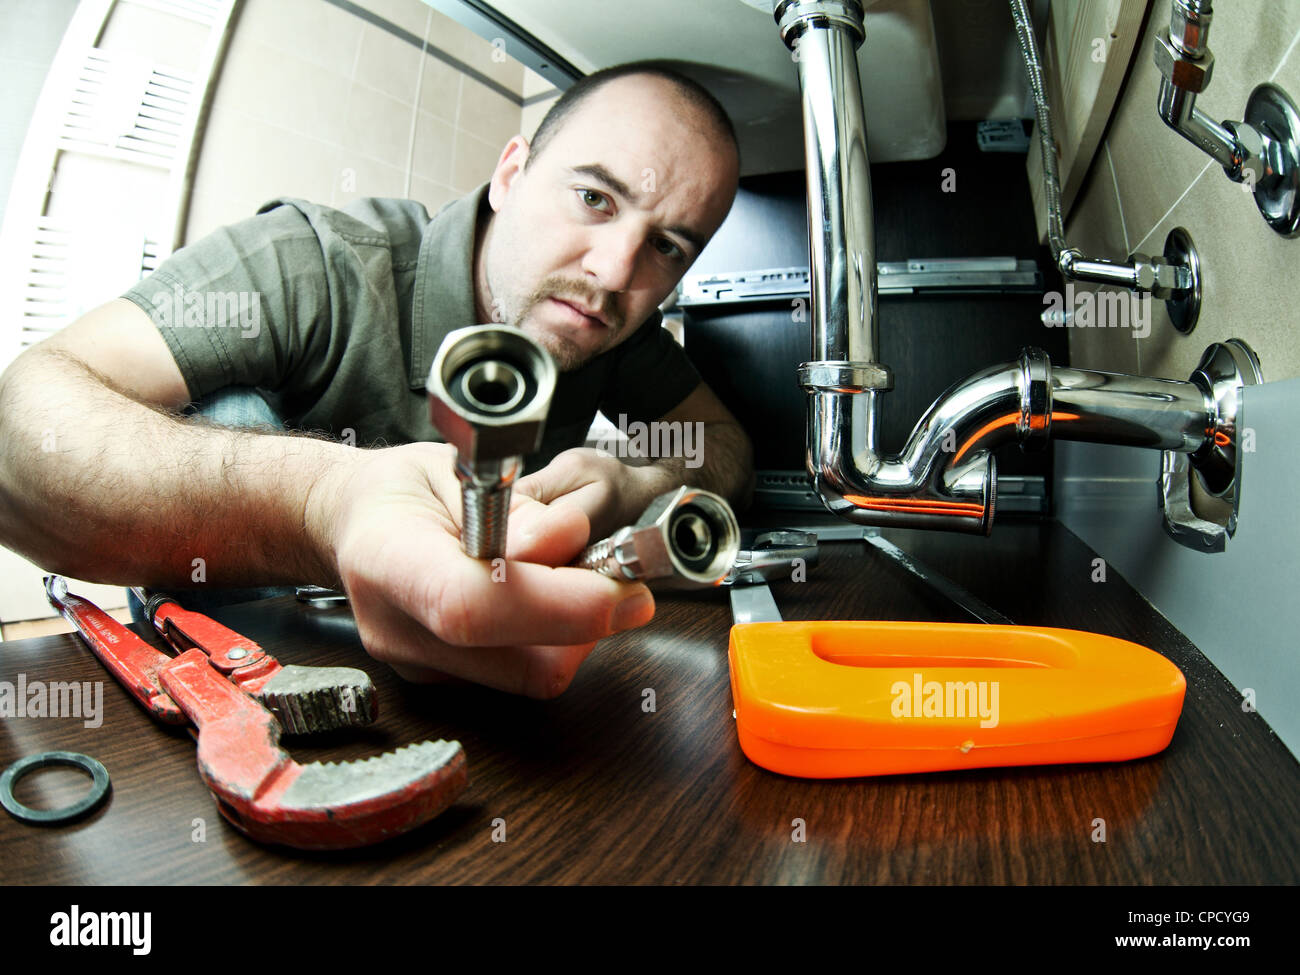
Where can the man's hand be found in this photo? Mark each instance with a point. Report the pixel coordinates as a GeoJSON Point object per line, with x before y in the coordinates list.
{"type": "Point", "coordinates": [390, 523]}
{"type": "Point", "coordinates": [613, 494]}
{"type": "Point", "coordinates": [608, 492]}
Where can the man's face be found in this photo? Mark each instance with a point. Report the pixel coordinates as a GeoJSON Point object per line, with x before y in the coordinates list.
{"type": "Point", "coordinates": [596, 233]}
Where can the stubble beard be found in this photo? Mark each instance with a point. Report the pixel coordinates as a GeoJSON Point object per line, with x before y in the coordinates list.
{"type": "Point", "coordinates": [565, 352]}
{"type": "Point", "coordinates": [512, 307]}
{"type": "Point", "coordinates": [568, 355]}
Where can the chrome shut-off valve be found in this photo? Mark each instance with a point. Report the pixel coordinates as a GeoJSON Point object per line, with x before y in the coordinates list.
{"type": "Point", "coordinates": [1261, 151]}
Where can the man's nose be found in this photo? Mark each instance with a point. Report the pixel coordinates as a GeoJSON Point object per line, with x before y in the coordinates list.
{"type": "Point", "coordinates": [612, 257]}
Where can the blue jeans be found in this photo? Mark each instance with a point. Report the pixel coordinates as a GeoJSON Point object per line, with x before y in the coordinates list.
{"type": "Point", "coordinates": [234, 406]}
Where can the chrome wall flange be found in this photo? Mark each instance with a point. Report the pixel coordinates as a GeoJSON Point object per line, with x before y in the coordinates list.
{"type": "Point", "coordinates": [1200, 493]}
{"type": "Point", "coordinates": [1272, 113]}
{"type": "Point", "coordinates": [1184, 306]}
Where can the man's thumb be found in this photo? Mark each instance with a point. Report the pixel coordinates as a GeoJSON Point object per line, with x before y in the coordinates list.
{"type": "Point", "coordinates": [540, 485]}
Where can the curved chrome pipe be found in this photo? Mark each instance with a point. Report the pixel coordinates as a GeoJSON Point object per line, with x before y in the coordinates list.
{"type": "Point", "coordinates": [1262, 150]}
{"type": "Point", "coordinates": [945, 477]}
{"type": "Point", "coordinates": [1186, 64]}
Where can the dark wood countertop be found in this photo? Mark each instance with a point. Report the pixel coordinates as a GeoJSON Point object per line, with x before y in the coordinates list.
{"type": "Point", "coordinates": [594, 789]}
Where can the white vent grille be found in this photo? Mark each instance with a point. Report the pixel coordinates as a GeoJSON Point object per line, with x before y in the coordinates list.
{"type": "Point", "coordinates": [128, 109]}
{"type": "Point", "coordinates": [74, 268]}
{"type": "Point", "coordinates": [113, 106]}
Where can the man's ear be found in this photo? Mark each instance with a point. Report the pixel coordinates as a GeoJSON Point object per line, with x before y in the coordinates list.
{"type": "Point", "coordinates": [509, 168]}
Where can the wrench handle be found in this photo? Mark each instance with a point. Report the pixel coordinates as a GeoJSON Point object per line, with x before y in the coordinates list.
{"type": "Point", "coordinates": [130, 659]}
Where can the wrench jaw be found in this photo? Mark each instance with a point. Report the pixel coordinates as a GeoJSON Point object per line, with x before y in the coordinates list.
{"type": "Point", "coordinates": [264, 793]}
{"type": "Point", "coordinates": [312, 699]}
{"type": "Point", "coordinates": [340, 806]}
{"type": "Point", "coordinates": [329, 806]}
{"type": "Point", "coordinates": [305, 699]}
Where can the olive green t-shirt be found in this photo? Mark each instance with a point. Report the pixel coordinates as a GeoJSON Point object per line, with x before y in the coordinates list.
{"type": "Point", "coordinates": [334, 317]}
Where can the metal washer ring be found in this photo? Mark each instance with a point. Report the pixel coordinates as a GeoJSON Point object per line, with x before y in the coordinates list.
{"type": "Point", "coordinates": [53, 817]}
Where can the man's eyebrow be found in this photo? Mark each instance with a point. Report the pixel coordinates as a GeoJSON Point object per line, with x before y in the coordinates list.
{"type": "Point", "coordinates": [695, 239]}
{"type": "Point", "coordinates": [599, 173]}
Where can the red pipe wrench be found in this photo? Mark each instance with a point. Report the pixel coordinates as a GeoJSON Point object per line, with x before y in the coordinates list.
{"type": "Point", "coordinates": [305, 699]}
{"type": "Point", "coordinates": [258, 787]}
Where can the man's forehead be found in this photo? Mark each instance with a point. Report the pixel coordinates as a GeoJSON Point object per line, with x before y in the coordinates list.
{"type": "Point", "coordinates": [654, 143]}
{"type": "Point", "coordinates": [645, 111]}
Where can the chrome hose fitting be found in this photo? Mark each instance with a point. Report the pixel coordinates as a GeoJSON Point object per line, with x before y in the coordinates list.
{"type": "Point", "coordinates": [686, 538]}
{"type": "Point", "coordinates": [490, 389]}
{"type": "Point", "coordinates": [1262, 150]}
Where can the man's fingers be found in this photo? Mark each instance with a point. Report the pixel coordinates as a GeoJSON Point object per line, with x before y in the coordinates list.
{"type": "Point", "coordinates": [518, 624]}
{"type": "Point", "coordinates": [543, 485]}
{"type": "Point", "coordinates": [549, 534]}
{"type": "Point", "coordinates": [535, 532]}
{"type": "Point", "coordinates": [414, 674]}
{"type": "Point", "coordinates": [590, 499]}
{"type": "Point", "coordinates": [528, 603]}
{"type": "Point", "coordinates": [474, 603]}
{"type": "Point", "coordinates": [539, 671]}
{"type": "Point", "coordinates": [420, 657]}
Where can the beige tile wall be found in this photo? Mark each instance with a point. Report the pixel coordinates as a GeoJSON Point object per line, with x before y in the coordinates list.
{"type": "Point", "coordinates": [1147, 179]}
{"type": "Point", "coordinates": [539, 96]}
{"type": "Point", "coordinates": [316, 102]}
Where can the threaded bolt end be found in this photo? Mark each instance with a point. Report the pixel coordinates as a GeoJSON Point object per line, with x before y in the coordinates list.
{"type": "Point", "coordinates": [599, 557]}
{"type": "Point", "coordinates": [483, 529]}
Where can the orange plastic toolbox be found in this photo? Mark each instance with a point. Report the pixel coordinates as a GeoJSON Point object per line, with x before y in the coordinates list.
{"type": "Point", "coordinates": [832, 699]}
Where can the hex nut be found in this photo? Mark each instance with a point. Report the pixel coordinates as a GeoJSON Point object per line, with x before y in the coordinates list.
{"type": "Point", "coordinates": [1144, 274]}
{"type": "Point", "coordinates": [1183, 72]}
{"type": "Point", "coordinates": [642, 552]}
{"type": "Point", "coordinates": [1155, 275]}
{"type": "Point", "coordinates": [475, 442]}
{"type": "Point", "coordinates": [642, 548]}
{"type": "Point", "coordinates": [479, 435]}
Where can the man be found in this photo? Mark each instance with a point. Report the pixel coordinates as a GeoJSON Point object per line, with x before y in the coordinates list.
{"type": "Point", "coordinates": [576, 239]}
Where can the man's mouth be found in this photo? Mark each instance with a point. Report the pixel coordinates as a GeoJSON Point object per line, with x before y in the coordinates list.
{"type": "Point", "coordinates": [580, 311]}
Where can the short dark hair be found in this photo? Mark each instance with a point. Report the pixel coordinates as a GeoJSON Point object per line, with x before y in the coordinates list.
{"type": "Point", "coordinates": [695, 93]}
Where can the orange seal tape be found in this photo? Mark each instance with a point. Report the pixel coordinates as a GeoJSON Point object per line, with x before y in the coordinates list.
{"type": "Point", "coordinates": [834, 699]}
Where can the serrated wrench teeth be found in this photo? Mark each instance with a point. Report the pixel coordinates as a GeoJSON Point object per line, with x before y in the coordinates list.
{"type": "Point", "coordinates": [311, 699]}
{"type": "Point", "coordinates": [305, 699]}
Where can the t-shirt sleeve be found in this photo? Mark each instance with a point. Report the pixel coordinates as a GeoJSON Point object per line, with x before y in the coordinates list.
{"type": "Point", "coordinates": [245, 305]}
{"type": "Point", "coordinates": [651, 377]}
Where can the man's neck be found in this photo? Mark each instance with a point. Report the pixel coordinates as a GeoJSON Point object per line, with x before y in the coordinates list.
{"type": "Point", "coordinates": [482, 293]}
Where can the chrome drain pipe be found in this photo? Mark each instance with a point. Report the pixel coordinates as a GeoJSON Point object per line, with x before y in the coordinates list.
{"type": "Point", "coordinates": [945, 477]}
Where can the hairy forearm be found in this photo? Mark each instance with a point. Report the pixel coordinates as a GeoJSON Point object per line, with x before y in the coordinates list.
{"type": "Point", "coordinates": [99, 486]}
{"type": "Point", "coordinates": [723, 465]}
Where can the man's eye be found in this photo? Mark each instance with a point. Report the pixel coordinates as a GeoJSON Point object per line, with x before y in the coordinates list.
{"type": "Point", "coordinates": [667, 248]}
{"type": "Point", "coordinates": [594, 200]}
